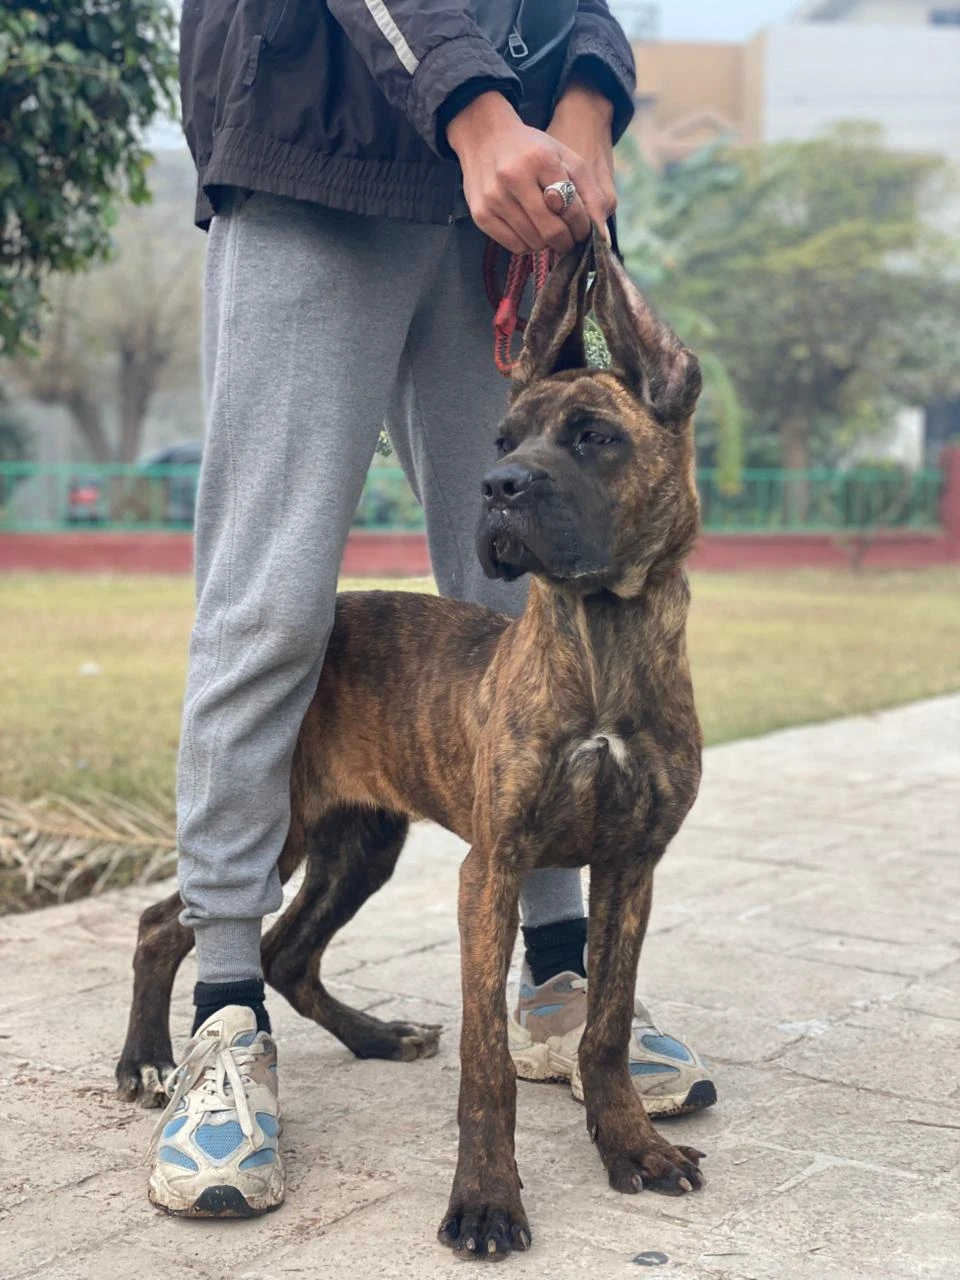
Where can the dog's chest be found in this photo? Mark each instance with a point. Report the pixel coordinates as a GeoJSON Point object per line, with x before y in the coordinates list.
{"type": "Point", "coordinates": [606, 794]}
{"type": "Point", "coordinates": [588, 755]}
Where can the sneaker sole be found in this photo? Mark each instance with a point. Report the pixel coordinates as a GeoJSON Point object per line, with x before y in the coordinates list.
{"type": "Point", "coordinates": [537, 1063]}
{"type": "Point", "coordinates": [215, 1202]}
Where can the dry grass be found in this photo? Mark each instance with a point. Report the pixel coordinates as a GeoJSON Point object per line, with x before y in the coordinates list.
{"type": "Point", "coordinates": [54, 849]}
{"type": "Point", "coordinates": [768, 651]}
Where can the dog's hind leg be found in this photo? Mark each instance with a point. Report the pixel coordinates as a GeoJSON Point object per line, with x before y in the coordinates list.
{"type": "Point", "coordinates": [352, 853]}
{"type": "Point", "coordinates": [146, 1060]}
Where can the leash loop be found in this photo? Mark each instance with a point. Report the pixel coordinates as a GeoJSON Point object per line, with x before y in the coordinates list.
{"type": "Point", "coordinates": [506, 299]}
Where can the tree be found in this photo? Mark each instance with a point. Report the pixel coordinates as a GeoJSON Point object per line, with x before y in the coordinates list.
{"type": "Point", "coordinates": [80, 80]}
{"type": "Point", "coordinates": [114, 335]}
{"type": "Point", "coordinates": [832, 294]}
{"type": "Point", "coordinates": [655, 217]}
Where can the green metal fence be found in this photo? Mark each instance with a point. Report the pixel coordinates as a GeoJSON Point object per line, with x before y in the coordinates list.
{"type": "Point", "coordinates": [822, 501]}
{"type": "Point", "coordinates": [38, 497]}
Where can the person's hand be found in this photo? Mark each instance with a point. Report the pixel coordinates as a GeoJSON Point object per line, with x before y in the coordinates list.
{"type": "Point", "coordinates": [582, 122]}
{"type": "Point", "coordinates": [506, 166]}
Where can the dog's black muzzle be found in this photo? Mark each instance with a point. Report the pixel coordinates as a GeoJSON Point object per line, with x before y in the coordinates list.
{"type": "Point", "coordinates": [535, 522]}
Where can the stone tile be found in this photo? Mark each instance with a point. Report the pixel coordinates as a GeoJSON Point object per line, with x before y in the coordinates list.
{"type": "Point", "coordinates": [125, 1257]}
{"type": "Point", "coordinates": [849, 1124]}
{"type": "Point", "coordinates": [908, 959]}
{"type": "Point", "coordinates": [71, 1220]}
{"type": "Point", "coordinates": [880, 1227]}
{"type": "Point", "coordinates": [894, 1050]}
{"type": "Point", "coordinates": [738, 898]}
{"type": "Point", "coordinates": [782, 989]}
{"type": "Point", "coordinates": [939, 995]}
{"type": "Point", "coordinates": [881, 911]}
{"type": "Point", "coordinates": [434, 975]}
{"type": "Point", "coordinates": [68, 1031]}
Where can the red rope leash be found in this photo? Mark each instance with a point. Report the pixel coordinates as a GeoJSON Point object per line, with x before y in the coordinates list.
{"type": "Point", "coordinates": [506, 299]}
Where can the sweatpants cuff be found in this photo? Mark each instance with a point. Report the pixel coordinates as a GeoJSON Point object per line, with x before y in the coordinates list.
{"type": "Point", "coordinates": [228, 950]}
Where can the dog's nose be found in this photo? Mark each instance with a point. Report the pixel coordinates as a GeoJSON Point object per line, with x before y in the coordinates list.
{"type": "Point", "coordinates": [506, 483]}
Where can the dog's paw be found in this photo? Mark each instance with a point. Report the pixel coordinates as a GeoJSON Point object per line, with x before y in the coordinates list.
{"type": "Point", "coordinates": [416, 1040]}
{"type": "Point", "coordinates": [144, 1083]}
{"type": "Point", "coordinates": [485, 1231]}
{"type": "Point", "coordinates": [673, 1171]}
{"type": "Point", "coordinates": [401, 1041]}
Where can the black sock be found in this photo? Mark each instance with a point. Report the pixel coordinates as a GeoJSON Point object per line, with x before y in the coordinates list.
{"type": "Point", "coordinates": [555, 948]}
{"type": "Point", "coordinates": [211, 996]}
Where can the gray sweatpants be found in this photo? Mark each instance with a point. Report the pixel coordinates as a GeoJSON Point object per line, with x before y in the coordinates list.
{"type": "Point", "coordinates": [320, 327]}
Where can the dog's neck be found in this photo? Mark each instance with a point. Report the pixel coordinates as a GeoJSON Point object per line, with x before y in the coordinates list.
{"type": "Point", "coordinates": [612, 640]}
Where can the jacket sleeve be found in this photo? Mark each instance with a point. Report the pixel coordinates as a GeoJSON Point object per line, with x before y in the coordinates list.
{"type": "Point", "coordinates": [419, 54]}
{"type": "Point", "coordinates": [599, 53]}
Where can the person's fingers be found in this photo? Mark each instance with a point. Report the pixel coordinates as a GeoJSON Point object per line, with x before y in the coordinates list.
{"type": "Point", "coordinates": [495, 213]}
{"type": "Point", "coordinates": [536, 237]}
{"type": "Point", "coordinates": [497, 229]}
{"type": "Point", "coordinates": [587, 186]}
{"type": "Point", "coordinates": [550, 229]}
{"type": "Point", "coordinates": [575, 215]}
{"type": "Point", "coordinates": [525, 184]}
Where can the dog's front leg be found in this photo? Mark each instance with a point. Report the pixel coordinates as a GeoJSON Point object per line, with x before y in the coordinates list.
{"type": "Point", "coordinates": [634, 1154]}
{"type": "Point", "coordinates": [485, 1216]}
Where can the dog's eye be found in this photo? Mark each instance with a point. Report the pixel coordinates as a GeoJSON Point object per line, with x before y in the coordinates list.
{"type": "Point", "coordinates": [593, 438]}
{"type": "Point", "coordinates": [505, 445]}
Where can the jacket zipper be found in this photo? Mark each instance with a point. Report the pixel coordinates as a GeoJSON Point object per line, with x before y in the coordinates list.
{"type": "Point", "coordinates": [517, 45]}
{"type": "Point", "coordinates": [261, 42]}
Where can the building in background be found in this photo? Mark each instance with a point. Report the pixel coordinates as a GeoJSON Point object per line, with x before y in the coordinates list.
{"type": "Point", "coordinates": [893, 62]}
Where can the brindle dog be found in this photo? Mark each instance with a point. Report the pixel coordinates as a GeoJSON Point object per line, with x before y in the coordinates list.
{"type": "Point", "coordinates": [565, 738]}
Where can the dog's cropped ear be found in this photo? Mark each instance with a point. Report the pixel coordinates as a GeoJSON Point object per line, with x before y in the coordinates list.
{"type": "Point", "coordinates": [554, 337]}
{"type": "Point", "coordinates": [659, 368]}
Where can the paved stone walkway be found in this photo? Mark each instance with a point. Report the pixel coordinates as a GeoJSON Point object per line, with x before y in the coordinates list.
{"type": "Point", "coordinates": [806, 937]}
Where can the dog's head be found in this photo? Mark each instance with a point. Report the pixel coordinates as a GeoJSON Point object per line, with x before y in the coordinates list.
{"type": "Point", "coordinates": [595, 483]}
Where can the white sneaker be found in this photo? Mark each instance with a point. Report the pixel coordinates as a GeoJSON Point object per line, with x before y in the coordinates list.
{"type": "Point", "coordinates": [545, 1032]}
{"type": "Point", "coordinates": [216, 1143]}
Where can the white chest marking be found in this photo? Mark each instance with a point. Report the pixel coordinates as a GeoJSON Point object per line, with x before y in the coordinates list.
{"type": "Point", "coordinates": [611, 741]}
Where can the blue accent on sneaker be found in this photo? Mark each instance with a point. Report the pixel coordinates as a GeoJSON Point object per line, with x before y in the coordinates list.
{"type": "Point", "coordinates": [268, 1123]}
{"type": "Point", "coordinates": [526, 991]}
{"type": "Point", "coordinates": [174, 1127]}
{"type": "Point", "coordinates": [666, 1045]}
{"type": "Point", "coordinates": [246, 1039]}
{"type": "Point", "coordinates": [544, 1010]}
{"type": "Point", "coordinates": [652, 1069]}
{"type": "Point", "coordinates": [170, 1155]}
{"type": "Point", "coordinates": [218, 1140]}
{"type": "Point", "coordinates": [266, 1155]}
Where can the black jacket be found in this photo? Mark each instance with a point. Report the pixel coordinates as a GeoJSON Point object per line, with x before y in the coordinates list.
{"type": "Point", "coordinates": [345, 102]}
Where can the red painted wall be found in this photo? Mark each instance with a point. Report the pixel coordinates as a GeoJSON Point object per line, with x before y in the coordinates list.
{"type": "Point", "coordinates": [387, 555]}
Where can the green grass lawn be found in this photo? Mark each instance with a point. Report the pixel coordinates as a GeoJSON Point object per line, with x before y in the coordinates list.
{"type": "Point", "coordinates": [768, 651]}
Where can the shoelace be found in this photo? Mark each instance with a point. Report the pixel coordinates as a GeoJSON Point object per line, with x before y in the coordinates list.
{"type": "Point", "coordinates": [218, 1065]}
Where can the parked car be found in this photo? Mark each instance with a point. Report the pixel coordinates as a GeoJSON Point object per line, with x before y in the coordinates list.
{"type": "Point", "coordinates": [181, 486]}
{"type": "Point", "coordinates": [86, 501]}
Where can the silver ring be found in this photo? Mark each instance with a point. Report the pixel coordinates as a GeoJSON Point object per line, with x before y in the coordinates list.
{"type": "Point", "coordinates": [565, 190]}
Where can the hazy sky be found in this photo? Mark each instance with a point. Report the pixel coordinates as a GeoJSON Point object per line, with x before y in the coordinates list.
{"type": "Point", "coordinates": [718, 19]}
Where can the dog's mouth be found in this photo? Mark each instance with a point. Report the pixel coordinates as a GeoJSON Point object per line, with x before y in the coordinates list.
{"type": "Point", "coordinates": [509, 547]}
{"type": "Point", "coordinates": [506, 556]}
